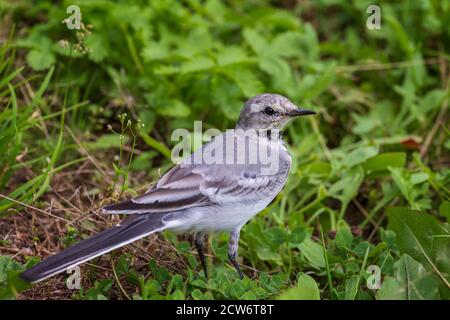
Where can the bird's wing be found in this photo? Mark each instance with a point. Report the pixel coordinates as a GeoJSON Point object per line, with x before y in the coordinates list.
{"type": "Point", "coordinates": [190, 185]}
{"type": "Point", "coordinates": [238, 184]}
{"type": "Point", "coordinates": [198, 185]}
{"type": "Point", "coordinates": [176, 190]}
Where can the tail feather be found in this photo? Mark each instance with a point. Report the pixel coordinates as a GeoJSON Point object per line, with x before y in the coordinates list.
{"type": "Point", "coordinates": [131, 229]}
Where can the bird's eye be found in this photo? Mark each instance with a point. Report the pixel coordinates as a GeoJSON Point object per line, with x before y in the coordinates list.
{"type": "Point", "coordinates": [268, 111]}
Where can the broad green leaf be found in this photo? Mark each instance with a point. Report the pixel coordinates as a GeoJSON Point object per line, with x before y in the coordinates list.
{"type": "Point", "coordinates": [346, 188]}
{"type": "Point", "coordinates": [351, 287]}
{"type": "Point", "coordinates": [424, 238]}
{"type": "Point", "coordinates": [166, 70]}
{"type": "Point", "coordinates": [10, 282]}
{"type": "Point", "coordinates": [411, 282]}
{"type": "Point", "coordinates": [98, 47]}
{"type": "Point", "coordinates": [230, 103]}
{"type": "Point", "coordinates": [313, 252]}
{"type": "Point", "coordinates": [297, 236]}
{"type": "Point", "coordinates": [444, 209]}
{"type": "Point", "coordinates": [246, 80]}
{"type": "Point", "coordinates": [432, 100]}
{"type": "Point", "coordinates": [287, 44]}
{"type": "Point", "coordinates": [249, 295]}
{"type": "Point", "coordinates": [359, 155]}
{"type": "Point", "coordinates": [237, 288]}
{"type": "Point", "coordinates": [344, 236]}
{"type": "Point", "coordinates": [196, 294]}
{"type": "Point", "coordinates": [320, 168]}
{"type": "Point", "coordinates": [174, 108]}
{"type": "Point", "coordinates": [275, 236]}
{"type": "Point", "coordinates": [177, 295]}
{"type": "Point", "coordinates": [40, 59]}
{"type": "Point", "coordinates": [268, 254]}
{"type": "Point", "coordinates": [382, 161]}
{"type": "Point", "coordinates": [306, 289]}
{"type": "Point", "coordinates": [403, 184]}
{"type": "Point", "coordinates": [107, 141]}
{"type": "Point", "coordinates": [6, 265]}
{"type": "Point", "coordinates": [417, 178]}
{"type": "Point", "coordinates": [232, 55]}
{"type": "Point", "coordinates": [143, 161]}
{"type": "Point", "coordinates": [315, 85]}
{"type": "Point", "coordinates": [278, 69]}
{"type": "Point", "coordinates": [196, 65]}
{"type": "Point", "coordinates": [155, 51]}
{"type": "Point", "coordinates": [255, 40]}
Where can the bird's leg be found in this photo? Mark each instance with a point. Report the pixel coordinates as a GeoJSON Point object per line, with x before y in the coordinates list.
{"type": "Point", "coordinates": [199, 242]}
{"type": "Point", "coordinates": [233, 244]}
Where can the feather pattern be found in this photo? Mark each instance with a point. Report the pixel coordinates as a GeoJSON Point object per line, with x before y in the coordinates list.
{"type": "Point", "coordinates": [191, 185]}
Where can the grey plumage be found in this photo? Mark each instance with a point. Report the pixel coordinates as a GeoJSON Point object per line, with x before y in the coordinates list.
{"type": "Point", "coordinates": [199, 197]}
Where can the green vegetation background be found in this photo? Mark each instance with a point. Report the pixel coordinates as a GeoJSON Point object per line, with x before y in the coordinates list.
{"type": "Point", "coordinates": [370, 178]}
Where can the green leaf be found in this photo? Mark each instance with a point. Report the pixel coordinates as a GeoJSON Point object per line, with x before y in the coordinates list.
{"type": "Point", "coordinates": [382, 161]}
{"type": "Point", "coordinates": [174, 108]}
{"type": "Point", "coordinates": [432, 100]}
{"type": "Point", "coordinates": [232, 55]}
{"type": "Point", "coordinates": [306, 289]}
{"type": "Point", "coordinates": [313, 252]}
{"type": "Point", "coordinates": [346, 188]}
{"type": "Point", "coordinates": [278, 69]}
{"type": "Point", "coordinates": [403, 184]}
{"type": "Point", "coordinates": [183, 246]}
{"type": "Point", "coordinates": [351, 287]}
{"type": "Point", "coordinates": [417, 178]}
{"type": "Point", "coordinates": [143, 161]}
{"type": "Point", "coordinates": [6, 265]}
{"type": "Point", "coordinates": [107, 141]}
{"type": "Point", "coordinates": [444, 209]}
{"type": "Point", "coordinates": [268, 254]}
{"type": "Point", "coordinates": [196, 65]}
{"type": "Point", "coordinates": [359, 155]}
{"type": "Point", "coordinates": [230, 103]}
{"type": "Point", "coordinates": [155, 51]}
{"type": "Point", "coordinates": [422, 237]}
{"type": "Point", "coordinates": [344, 236]}
{"type": "Point", "coordinates": [313, 86]}
{"type": "Point", "coordinates": [237, 288]}
{"type": "Point", "coordinates": [399, 34]}
{"type": "Point", "coordinates": [275, 236]}
{"type": "Point", "coordinates": [246, 80]}
{"type": "Point", "coordinates": [411, 282]}
{"type": "Point", "coordinates": [40, 59]}
{"type": "Point", "coordinates": [151, 287]}
{"type": "Point", "coordinates": [10, 282]}
{"type": "Point", "coordinates": [255, 40]}
{"type": "Point", "coordinates": [249, 295]}
{"type": "Point", "coordinates": [197, 294]}
{"type": "Point", "coordinates": [98, 47]}
{"type": "Point", "coordinates": [297, 236]}
{"type": "Point", "coordinates": [177, 295]}
{"type": "Point", "coordinates": [287, 44]}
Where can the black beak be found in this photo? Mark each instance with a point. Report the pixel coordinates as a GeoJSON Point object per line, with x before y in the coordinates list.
{"type": "Point", "coordinates": [301, 112]}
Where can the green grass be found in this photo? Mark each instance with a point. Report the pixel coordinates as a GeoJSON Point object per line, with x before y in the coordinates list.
{"type": "Point", "coordinates": [370, 179]}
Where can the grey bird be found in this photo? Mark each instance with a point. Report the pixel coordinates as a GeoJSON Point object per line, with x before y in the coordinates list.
{"type": "Point", "coordinates": [198, 198]}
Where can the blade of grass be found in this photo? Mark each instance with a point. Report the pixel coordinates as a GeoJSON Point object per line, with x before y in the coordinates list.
{"type": "Point", "coordinates": [156, 145]}
{"type": "Point", "coordinates": [325, 255]}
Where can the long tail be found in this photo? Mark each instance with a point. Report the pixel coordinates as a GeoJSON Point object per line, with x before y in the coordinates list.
{"type": "Point", "coordinates": [131, 229]}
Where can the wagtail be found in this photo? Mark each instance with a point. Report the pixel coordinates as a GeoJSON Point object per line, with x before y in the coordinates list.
{"type": "Point", "coordinates": [219, 187]}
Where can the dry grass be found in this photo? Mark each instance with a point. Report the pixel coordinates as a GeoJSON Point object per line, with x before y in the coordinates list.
{"type": "Point", "coordinates": [40, 232]}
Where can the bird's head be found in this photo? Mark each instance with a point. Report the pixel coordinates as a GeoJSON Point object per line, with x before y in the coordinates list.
{"type": "Point", "coordinates": [269, 111]}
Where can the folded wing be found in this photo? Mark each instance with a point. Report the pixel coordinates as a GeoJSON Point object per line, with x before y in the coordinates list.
{"type": "Point", "coordinates": [190, 185]}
